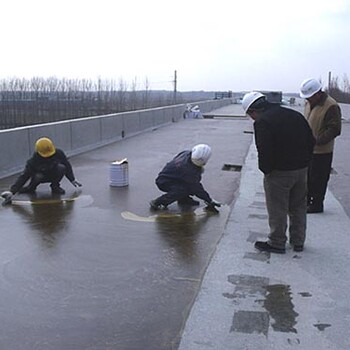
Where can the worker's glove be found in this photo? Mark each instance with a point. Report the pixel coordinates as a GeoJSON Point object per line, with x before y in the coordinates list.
{"type": "Point", "coordinates": [211, 206]}
{"type": "Point", "coordinates": [7, 195]}
{"type": "Point", "coordinates": [75, 183]}
{"type": "Point", "coordinates": [215, 203]}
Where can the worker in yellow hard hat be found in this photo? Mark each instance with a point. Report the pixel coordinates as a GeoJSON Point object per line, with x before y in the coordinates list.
{"type": "Point", "coordinates": [48, 164]}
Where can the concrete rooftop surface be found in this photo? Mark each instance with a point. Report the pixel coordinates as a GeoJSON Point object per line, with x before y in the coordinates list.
{"type": "Point", "coordinates": [97, 270]}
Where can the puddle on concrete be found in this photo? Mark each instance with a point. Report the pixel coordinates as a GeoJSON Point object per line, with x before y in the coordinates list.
{"type": "Point", "coordinates": [279, 304]}
{"type": "Point", "coordinates": [127, 215]}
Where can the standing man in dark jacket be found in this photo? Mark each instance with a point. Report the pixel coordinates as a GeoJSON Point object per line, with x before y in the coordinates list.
{"type": "Point", "coordinates": [181, 178]}
{"type": "Point", "coordinates": [48, 164]}
{"type": "Point", "coordinates": [284, 143]}
{"type": "Point", "coordinates": [324, 117]}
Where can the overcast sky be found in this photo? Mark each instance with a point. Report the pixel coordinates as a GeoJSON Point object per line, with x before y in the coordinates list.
{"type": "Point", "coordinates": [213, 45]}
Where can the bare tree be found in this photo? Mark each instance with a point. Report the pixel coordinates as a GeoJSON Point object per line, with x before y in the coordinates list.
{"type": "Point", "coordinates": [133, 99]}
{"type": "Point", "coordinates": [145, 95]}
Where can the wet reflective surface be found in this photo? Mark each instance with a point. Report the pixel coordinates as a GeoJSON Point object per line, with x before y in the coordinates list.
{"type": "Point", "coordinates": [280, 307]}
{"type": "Point", "coordinates": [97, 269]}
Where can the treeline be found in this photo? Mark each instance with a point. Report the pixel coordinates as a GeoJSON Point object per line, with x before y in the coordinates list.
{"type": "Point", "coordinates": [339, 89]}
{"type": "Point", "coordinates": [42, 100]}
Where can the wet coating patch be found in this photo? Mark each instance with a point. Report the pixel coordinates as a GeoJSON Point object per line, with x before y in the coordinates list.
{"type": "Point", "coordinates": [43, 201]}
{"type": "Point", "coordinates": [127, 215]}
{"type": "Point", "coordinates": [279, 304]}
{"type": "Point", "coordinates": [256, 256]}
{"type": "Point", "coordinates": [258, 216]}
{"type": "Point", "coordinates": [322, 326]}
{"type": "Point", "coordinates": [275, 299]}
{"type": "Point", "coordinates": [246, 285]}
{"type": "Point", "coordinates": [254, 236]}
{"type": "Point", "coordinates": [260, 194]}
{"type": "Point", "coordinates": [85, 199]}
{"type": "Point", "coordinates": [250, 322]}
{"type": "Point", "coordinates": [258, 204]}
{"type": "Point", "coordinates": [47, 200]}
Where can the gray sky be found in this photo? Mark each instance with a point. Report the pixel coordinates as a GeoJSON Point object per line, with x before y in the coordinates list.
{"type": "Point", "coordinates": [213, 45]}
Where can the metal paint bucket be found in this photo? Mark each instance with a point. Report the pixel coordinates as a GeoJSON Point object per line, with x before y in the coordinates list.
{"type": "Point", "coordinates": [119, 173]}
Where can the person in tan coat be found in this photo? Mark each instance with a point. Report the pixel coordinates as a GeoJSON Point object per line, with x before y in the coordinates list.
{"type": "Point", "coordinates": [324, 117]}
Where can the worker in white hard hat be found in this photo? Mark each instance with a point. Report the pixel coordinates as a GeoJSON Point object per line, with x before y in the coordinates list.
{"type": "Point", "coordinates": [284, 143]}
{"type": "Point", "coordinates": [324, 117]}
{"type": "Point", "coordinates": [180, 179]}
{"type": "Point", "coordinates": [48, 164]}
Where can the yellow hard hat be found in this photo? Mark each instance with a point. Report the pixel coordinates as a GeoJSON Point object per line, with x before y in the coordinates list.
{"type": "Point", "coordinates": [45, 147]}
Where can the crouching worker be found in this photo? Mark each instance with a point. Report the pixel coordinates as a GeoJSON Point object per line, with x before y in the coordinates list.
{"type": "Point", "coordinates": [47, 165]}
{"type": "Point", "coordinates": [181, 178]}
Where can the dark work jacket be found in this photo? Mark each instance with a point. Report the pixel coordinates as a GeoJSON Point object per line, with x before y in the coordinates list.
{"type": "Point", "coordinates": [283, 139]}
{"type": "Point", "coordinates": [39, 164]}
{"type": "Point", "coordinates": [181, 170]}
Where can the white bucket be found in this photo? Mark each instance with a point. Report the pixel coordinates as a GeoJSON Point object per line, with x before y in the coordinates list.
{"type": "Point", "coordinates": [119, 173]}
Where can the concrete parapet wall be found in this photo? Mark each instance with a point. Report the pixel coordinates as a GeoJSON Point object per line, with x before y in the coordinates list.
{"type": "Point", "coordinates": [80, 135]}
{"type": "Point", "coordinates": [207, 106]}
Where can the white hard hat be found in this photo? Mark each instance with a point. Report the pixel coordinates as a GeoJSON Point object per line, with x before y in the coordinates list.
{"type": "Point", "coordinates": [309, 87]}
{"type": "Point", "coordinates": [249, 98]}
{"type": "Point", "coordinates": [200, 154]}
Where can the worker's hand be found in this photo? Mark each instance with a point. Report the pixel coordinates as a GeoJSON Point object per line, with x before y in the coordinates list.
{"type": "Point", "coordinates": [7, 195]}
{"type": "Point", "coordinates": [75, 183]}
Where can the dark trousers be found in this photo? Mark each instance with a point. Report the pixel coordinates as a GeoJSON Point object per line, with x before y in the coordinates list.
{"type": "Point", "coordinates": [318, 176]}
{"type": "Point", "coordinates": [285, 193]}
{"type": "Point", "coordinates": [54, 176]}
{"type": "Point", "coordinates": [174, 191]}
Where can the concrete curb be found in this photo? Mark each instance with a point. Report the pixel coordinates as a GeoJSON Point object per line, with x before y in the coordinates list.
{"type": "Point", "coordinates": [252, 300]}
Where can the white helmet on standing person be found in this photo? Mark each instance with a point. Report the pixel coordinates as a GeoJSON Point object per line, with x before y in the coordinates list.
{"type": "Point", "coordinates": [309, 87]}
{"type": "Point", "coordinates": [200, 154]}
{"type": "Point", "coordinates": [249, 98]}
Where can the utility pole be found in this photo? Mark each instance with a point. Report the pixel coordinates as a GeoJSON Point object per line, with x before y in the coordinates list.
{"type": "Point", "coordinates": [175, 86]}
{"type": "Point", "coordinates": [329, 81]}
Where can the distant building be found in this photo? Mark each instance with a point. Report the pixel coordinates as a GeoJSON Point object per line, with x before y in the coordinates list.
{"type": "Point", "coordinates": [219, 95]}
{"type": "Point", "coordinates": [273, 96]}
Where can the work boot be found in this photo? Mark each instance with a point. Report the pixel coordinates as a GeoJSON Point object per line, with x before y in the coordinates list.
{"type": "Point", "coordinates": [187, 201]}
{"type": "Point", "coordinates": [57, 190]}
{"type": "Point", "coordinates": [154, 204]}
{"type": "Point", "coordinates": [26, 189]}
{"type": "Point", "coordinates": [266, 247]}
